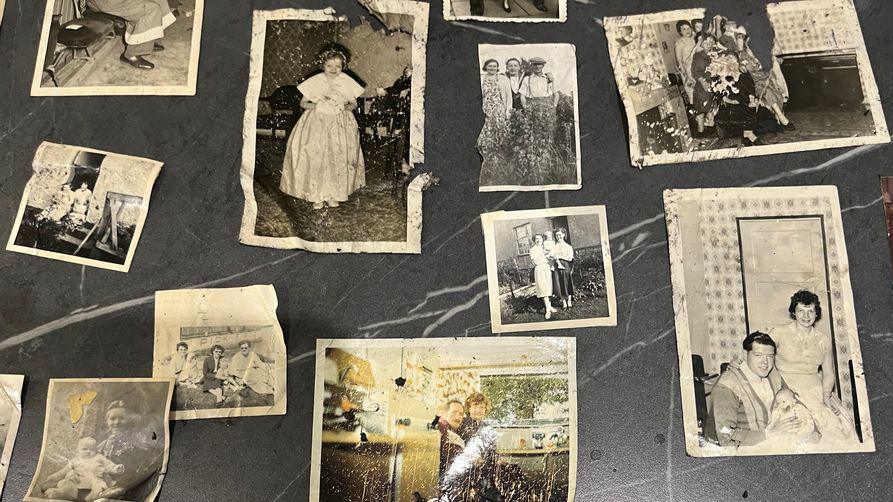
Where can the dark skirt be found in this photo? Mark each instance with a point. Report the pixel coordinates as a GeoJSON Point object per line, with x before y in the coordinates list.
{"type": "Point", "coordinates": [212, 383]}
{"type": "Point", "coordinates": [563, 280]}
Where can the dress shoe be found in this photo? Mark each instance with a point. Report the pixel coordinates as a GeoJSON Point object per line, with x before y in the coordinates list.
{"type": "Point", "coordinates": [789, 127]}
{"type": "Point", "coordinates": [157, 47]}
{"type": "Point", "coordinates": [506, 7]}
{"type": "Point", "coordinates": [137, 62]}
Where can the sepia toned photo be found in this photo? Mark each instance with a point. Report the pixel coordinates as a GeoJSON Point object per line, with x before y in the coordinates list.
{"type": "Point", "coordinates": [530, 139]}
{"type": "Point", "coordinates": [887, 194]}
{"type": "Point", "coordinates": [517, 11]}
{"type": "Point", "coordinates": [118, 47]}
{"type": "Point", "coordinates": [224, 349]}
{"type": "Point", "coordinates": [10, 415]}
{"type": "Point", "coordinates": [333, 129]}
{"type": "Point", "coordinates": [84, 206]}
{"type": "Point", "coordinates": [103, 439]}
{"type": "Point", "coordinates": [549, 269]}
{"type": "Point", "coordinates": [445, 419]}
{"type": "Point", "coordinates": [769, 357]}
{"type": "Point", "coordinates": [696, 88]}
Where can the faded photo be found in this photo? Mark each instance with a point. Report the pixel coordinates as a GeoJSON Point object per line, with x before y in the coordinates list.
{"type": "Point", "coordinates": [694, 87]}
{"type": "Point", "coordinates": [530, 139]}
{"type": "Point", "coordinates": [84, 206]}
{"type": "Point", "coordinates": [333, 129]}
{"type": "Point", "coordinates": [887, 194]}
{"type": "Point", "coordinates": [224, 349]}
{"type": "Point", "coordinates": [103, 439]}
{"type": "Point", "coordinates": [768, 345]}
{"type": "Point", "coordinates": [10, 415]}
{"type": "Point", "coordinates": [118, 47]}
{"type": "Point", "coordinates": [445, 420]}
{"type": "Point", "coordinates": [549, 269]}
{"type": "Point", "coordinates": [519, 11]}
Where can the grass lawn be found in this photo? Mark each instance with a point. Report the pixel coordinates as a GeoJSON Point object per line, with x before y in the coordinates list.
{"type": "Point", "coordinates": [529, 308]}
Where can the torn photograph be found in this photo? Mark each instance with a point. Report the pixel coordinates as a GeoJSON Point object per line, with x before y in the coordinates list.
{"type": "Point", "coordinates": [699, 88]}
{"type": "Point", "coordinates": [224, 349]}
{"type": "Point", "coordinates": [769, 357]}
{"type": "Point", "coordinates": [103, 439]}
{"type": "Point", "coordinates": [2, 8]}
{"type": "Point", "coordinates": [516, 11]}
{"type": "Point", "coordinates": [10, 414]}
{"type": "Point", "coordinates": [118, 47]}
{"type": "Point", "coordinates": [549, 269]}
{"type": "Point", "coordinates": [530, 139]}
{"type": "Point", "coordinates": [84, 206]}
{"type": "Point", "coordinates": [445, 420]}
{"type": "Point", "coordinates": [887, 194]}
{"type": "Point", "coordinates": [334, 126]}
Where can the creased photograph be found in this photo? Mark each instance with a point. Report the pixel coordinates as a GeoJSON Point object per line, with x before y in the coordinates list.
{"type": "Point", "coordinates": [334, 126]}
{"type": "Point", "coordinates": [768, 346]}
{"type": "Point", "coordinates": [118, 47]}
{"type": "Point", "coordinates": [224, 349]}
{"type": "Point", "coordinates": [696, 88]}
{"type": "Point", "coordinates": [549, 269]}
{"type": "Point", "coordinates": [506, 11]}
{"type": "Point", "coordinates": [84, 206]}
{"type": "Point", "coordinates": [10, 415]}
{"type": "Point", "coordinates": [530, 139]}
{"type": "Point", "coordinates": [887, 194]}
{"type": "Point", "coordinates": [445, 420]}
{"type": "Point", "coordinates": [103, 439]}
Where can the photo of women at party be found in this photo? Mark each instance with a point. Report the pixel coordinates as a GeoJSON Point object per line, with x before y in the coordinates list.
{"type": "Point", "coordinates": [769, 352]}
{"type": "Point", "coordinates": [103, 439]}
{"type": "Point", "coordinates": [445, 420]}
{"type": "Point", "coordinates": [335, 130]}
{"type": "Point", "coordinates": [549, 269]}
{"type": "Point", "coordinates": [521, 11]}
{"type": "Point", "coordinates": [694, 87]}
{"type": "Point", "coordinates": [84, 206]}
{"type": "Point", "coordinates": [530, 136]}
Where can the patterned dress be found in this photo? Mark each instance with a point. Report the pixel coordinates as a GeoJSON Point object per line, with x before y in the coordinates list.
{"type": "Point", "coordinates": [492, 139]}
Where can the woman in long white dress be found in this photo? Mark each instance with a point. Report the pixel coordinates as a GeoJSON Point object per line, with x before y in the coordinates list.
{"type": "Point", "coordinates": [542, 274]}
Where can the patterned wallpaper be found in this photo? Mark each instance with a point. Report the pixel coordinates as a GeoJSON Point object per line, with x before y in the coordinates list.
{"type": "Point", "coordinates": [814, 29]}
{"type": "Point", "coordinates": [723, 282]}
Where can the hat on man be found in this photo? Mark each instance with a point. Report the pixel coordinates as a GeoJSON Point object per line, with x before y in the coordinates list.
{"type": "Point", "coordinates": [537, 60]}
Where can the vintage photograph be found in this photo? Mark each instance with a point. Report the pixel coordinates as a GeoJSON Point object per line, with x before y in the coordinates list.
{"type": "Point", "coordinates": [224, 349]}
{"type": "Point", "coordinates": [103, 439]}
{"type": "Point", "coordinates": [887, 193]}
{"type": "Point", "coordinates": [549, 269]}
{"type": "Point", "coordinates": [10, 413]}
{"type": "Point", "coordinates": [118, 47]}
{"type": "Point", "coordinates": [445, 420]}
{"type": "Point", "coordinates": [769, 357]}
{"type": "Point", "coordinates": [84, 206]}
{"type": "Point", "coordinates": [517, 11]}
{"type": "Point", "coordinates": [333, 128]}
{"type": "Point", "coordinates": [530, 139]}
{"type": "Point", "coordinates": [696, 88]}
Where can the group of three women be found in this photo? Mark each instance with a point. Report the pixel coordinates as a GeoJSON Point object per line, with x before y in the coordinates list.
{"type": "Point", "coordinates": [553, 261]}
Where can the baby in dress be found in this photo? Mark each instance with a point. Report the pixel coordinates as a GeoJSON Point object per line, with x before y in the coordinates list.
{"type": "Point", "coordinates": [549, 248]}
{"type": "Point", "coordinates": [786, 405]}
{"type": "Point", "coordinates": [87, 471]}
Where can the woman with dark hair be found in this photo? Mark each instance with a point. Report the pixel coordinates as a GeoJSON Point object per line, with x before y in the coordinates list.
{"type": "Point", "coordinates": [496, 93]}
{"type": "Point", "coordinates": [562, 276]}
{"type": "Point", "coordinates": [212, 383]}
{"type": "Point", "coordinates": [703, 100]}
{"type": "Point", "coordinates": [697, 25]}
{"type": "Point", "coordinates": [684, 49]}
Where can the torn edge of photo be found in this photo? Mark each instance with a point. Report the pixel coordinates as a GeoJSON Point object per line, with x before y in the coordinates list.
{"type": "Point", "coordinates": [768, 345]}
{"type": "Point", "coordinates": [351, 189]}
{"type": "Point", "coordinates": [549, 269]}
{"type": "Point", "coordinates": [530, 138]}
{"type": "Point", "coordinates": [84, 206]}
{"type": "Point", "coordinates": [693, 90]}
{"type": "Point", "coordinates": [506, 11]}
{"type": "Point", "coordinates": [116, 426]}
{"type": "Point", "coordinates": [10, 415]}
{"type": "Point", "coordinates": [113, 48]}
{"type": "Point", "coordinates": [441, 418]}
{"type": "Point", "coordinates": [225, 350]}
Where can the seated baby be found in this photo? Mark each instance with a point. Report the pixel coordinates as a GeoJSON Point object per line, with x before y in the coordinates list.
{"type": "Point", "coordinates": [87, 471]}
{"type": "Point", "coordinates": [785, 405]}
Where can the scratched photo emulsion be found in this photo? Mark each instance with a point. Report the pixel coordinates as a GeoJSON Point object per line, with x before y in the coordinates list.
{"type": "Point", "coordinates": [445, 420]}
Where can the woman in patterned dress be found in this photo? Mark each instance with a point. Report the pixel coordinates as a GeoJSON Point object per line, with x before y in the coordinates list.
{"type": "Point", "coordinates": [496, 91]}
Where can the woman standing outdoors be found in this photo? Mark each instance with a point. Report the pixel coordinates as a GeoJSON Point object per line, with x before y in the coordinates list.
{"type": "Point", "coordinates": [542, 274]}
{"type": "Point", "coordinates": [562, 276]}
{"type": "Point", "coordinates": [496, 91]}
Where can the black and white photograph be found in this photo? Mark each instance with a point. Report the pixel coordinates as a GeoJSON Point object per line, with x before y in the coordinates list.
{"type": "Point", "coordinates": [506, 11]}
{"type": "Point", "coordinates": [2, 8]}
{"type": "Point", "coordinates": [103, 439]}
{"type": "Point", "coordinates": [84, 206]}
{"type": "Point", "coordinates": [333, 131]}
{"type": "Point", "coordinates": [119, 47]}
{"type": "Point", "coordinates": [887, 197]}
{"type": "Point", "coordinates": [698, 87]}
{"type": "Point", "coordinates": [10, 415]}
{"type": "Point", "coordinates": [549, 269]}
{"type": "Point", "coordinates": [530, 138]}
{"type": "Point", "coordinates": [769, 355]}
{"type": "Point", "coordinates": [225, 350]}
{"type": "Point", "coordinates": [445, 419]}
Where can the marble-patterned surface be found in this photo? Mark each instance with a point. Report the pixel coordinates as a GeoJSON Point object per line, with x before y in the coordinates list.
{"type": "Point", "coordinates": [62, 320]}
